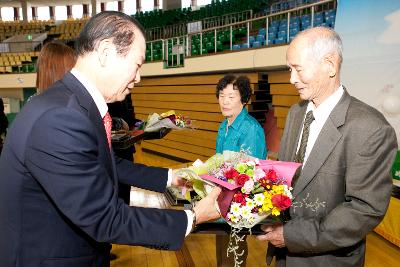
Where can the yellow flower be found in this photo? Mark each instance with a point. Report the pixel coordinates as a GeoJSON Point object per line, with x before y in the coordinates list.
{"type": "Point", "coordinates": [267, 205]}
{"type": "Point", "coordinates": [233, 218]}
{"type": "Point", "coordinates": [275, 212]}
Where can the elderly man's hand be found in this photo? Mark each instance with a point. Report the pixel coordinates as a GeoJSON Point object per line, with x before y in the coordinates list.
{"type": "Point", "coordinates": [273, 234]}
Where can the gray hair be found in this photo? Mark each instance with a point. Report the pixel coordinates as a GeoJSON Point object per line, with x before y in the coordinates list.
{"type": "Point", "coordinates": [323, 41]}
{"type": "Point", "coordinates": [108, 25]}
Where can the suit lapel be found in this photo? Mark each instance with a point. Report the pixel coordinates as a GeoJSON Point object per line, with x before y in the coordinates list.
{"type": "Point", "coordinates": [86, 102]}
{"type": "Point", "coordinates": [296, 129]}
{"type": "Point", "coordinates": [325, 143]}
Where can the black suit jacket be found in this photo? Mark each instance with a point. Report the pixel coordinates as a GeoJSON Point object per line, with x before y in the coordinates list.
{"type": "Point", "coordinates": [59, 183]}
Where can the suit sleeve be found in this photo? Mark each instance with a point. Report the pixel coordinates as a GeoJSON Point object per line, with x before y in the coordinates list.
{"type": "Point", "coordinates": [142, 176]}
{"type": "Point", "coordinates": [368, 185]}
{"type": "Point", "coordinates": [62, 155]}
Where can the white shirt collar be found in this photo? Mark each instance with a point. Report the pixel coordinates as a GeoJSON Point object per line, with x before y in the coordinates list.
{"type": "Point", "coordinates": [93, 91]}
{"type": "Point", "coordinates": [322, 112]}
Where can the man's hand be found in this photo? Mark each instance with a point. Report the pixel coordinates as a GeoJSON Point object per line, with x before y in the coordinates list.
{"type": "Point", "coordinates": [273, 234]}
{"type": "Point", "coordinates": [179, 181]}
{"type": "Point", "coordinates": [206, 209]}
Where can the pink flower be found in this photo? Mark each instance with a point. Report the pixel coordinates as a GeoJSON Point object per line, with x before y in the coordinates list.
{"type": "Point", "coordinates": [248, 186]}
{"type": "Point", "coordinates": [280, 201]}
{"type": "Point", "coordinates": [258, 174]}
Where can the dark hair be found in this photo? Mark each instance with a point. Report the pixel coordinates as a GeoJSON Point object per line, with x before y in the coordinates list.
{"type": "Point", "coordinates": [241, 83]}
{"type": "Point", "coordinates": [55, 59]}
{"type": "Point", "coordinates": [108, 25]}
{"type": "Point", "coordinates": [3, 121]}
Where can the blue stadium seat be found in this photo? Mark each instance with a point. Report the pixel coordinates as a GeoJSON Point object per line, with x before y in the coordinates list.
{"type": "Point", "coordinates": [283, 27]}
{"type": "Point", "coordinates": [235, 47]}
{"type": "Point", "coordinates": [271, 35]}
{"type": "Point", "coordinates": [293, 31]}
{"type": "Point", "coordinates": [271, 41]}
{"type": "Point", "coordinates": [330, 13]}
{"type": "Point", "coordinates": [275, 23]}
{"type": "Point", "coordinates": [280, 40]}
{"type": "Point", "coordinates": [305, 18]}
{"type": "Point", "coordinates": [305, 24]}
{"type": "Point", "coordinates": [294, 20]}
{"type": "Point", "coordinates": [273, 29]}
{"type": "Point", "coordinates": [260, 38]}
{"type": "Point", "coordinates": [294, 24]}
{"type": "Point", "coordinates": [245, 45]}
{"type": "Point", "coordinates": [318, 18]}
{"type": "Point", "coordinates": [282, 34]}
{"type": "Point", "coordinates": [251, 39]}
{"type": "Point", "coordinates": [330, 16]}
{"type": "Point", "coordinates": [256, 44]}
{"type": "Point", "coordinates": [262, 31]}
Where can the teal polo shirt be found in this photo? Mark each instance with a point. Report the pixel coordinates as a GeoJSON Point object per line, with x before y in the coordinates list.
{"type": "Point", "coordinates": [244, 133]}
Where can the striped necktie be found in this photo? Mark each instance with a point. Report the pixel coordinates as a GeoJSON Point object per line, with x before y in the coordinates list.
{"type": "Point", "coordinates": [303, 144]}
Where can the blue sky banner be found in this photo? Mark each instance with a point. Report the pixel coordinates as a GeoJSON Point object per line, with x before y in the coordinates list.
{"type": "Point", "coordinates": [370, 31]}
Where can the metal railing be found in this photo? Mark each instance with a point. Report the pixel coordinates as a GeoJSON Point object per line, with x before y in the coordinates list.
{"type": "Point", "coordinates": [176, 30]}
{"type": "Point", "coordinates": [232, 28]}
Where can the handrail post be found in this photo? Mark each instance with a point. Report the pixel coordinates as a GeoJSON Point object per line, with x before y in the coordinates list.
{"type": "Point", "coordinates": [201, 43]}
{"type": "Point", "coordinates": [151, 50]}
{"type": "Point", "coordinates": [215, 40]}
{"type": "Point", "coordinates": [230, 36]}
{"type": "Point", "coordinates": [287, 28]}
{"type": "Point", "coordinates": [248, 34]}
{"type": "Point", "coordinates": [187, 45]}
{"type": "Point", "coordinates": [178, 58]}
{"type": "Point", "coordinates": [167, 53]}
{"type": "Point", "coordinates": [266, 30]}
{"type": "Point", "coordinates": [312, 16]}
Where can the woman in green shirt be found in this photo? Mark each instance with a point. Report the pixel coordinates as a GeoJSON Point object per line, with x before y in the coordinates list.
{"type": "Point", "coordinates": [239, 131]}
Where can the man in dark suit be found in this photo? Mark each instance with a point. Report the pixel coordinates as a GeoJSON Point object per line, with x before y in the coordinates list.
{"type": "Point", "coordinates": [59, 176]}
{"type": "Point", "coordinates": [343, 189]}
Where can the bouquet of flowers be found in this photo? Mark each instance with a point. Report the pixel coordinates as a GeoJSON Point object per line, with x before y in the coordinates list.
{"type": "Point", "coordinates": [168, 120]}
{"type": "Point", "coordinates": [252, 189]}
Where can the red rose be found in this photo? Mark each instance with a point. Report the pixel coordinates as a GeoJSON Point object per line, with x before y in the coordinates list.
{"type": "Point", "coordinates": [241, 179]}
{"type": "Point", "coordinates": [240, 198]}
{"type": "Point", "coordinates": [231, 173]}
{"type": "Point", "coordinates": [271, 175]}
{"type": "Point", "coordinates": [280, 201]}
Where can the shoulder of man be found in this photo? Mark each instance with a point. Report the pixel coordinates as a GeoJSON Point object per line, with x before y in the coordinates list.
{"type": "Point", "coordinates": [361, 112]}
